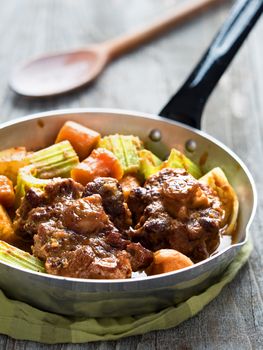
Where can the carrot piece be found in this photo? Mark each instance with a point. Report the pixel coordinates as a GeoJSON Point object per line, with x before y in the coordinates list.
{"type": "Point", "coordinates": [101, 162]}
{"type": "Point", "coordinates": [7, 195]}
{"type": "Point", "coordinates": [81, 138]}
{"type": "Point", "coordinates": [166, 260]}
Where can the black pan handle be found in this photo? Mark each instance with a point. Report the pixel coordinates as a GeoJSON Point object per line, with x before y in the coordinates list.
{"type": "Point", "coordinates": [188, 103]}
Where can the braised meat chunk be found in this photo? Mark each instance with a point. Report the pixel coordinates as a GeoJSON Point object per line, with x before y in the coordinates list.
{"type": "Point", "coordinates": [72, 255]}
{"type": "Point", "coordinates": [74, 235]}
{"type": "Point", "coordinates": [84, 263]}
{"type": "Point", "coordinates": [112, 200]}
{"type": "Point", "coordinates": [39, 206]}
{"type": "Point", "coordinates": [140, 256]}
{"type": "Point", "coordinates": [178, 212]}
{"type": "Point", "coordinates": [86, 216]}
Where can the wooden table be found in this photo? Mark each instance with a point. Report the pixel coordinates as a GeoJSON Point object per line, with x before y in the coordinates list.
{"type": "Point", "coordinates": [143, 81]}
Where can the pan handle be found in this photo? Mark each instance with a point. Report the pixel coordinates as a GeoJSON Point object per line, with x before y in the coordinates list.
{"type": "Point", "coordinates": [188, 103]}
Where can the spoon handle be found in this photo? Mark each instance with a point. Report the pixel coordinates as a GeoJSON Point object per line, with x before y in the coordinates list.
{"type": "Point", "coordinates": [117, 47]}
{"type": "Point", "coordinates": [188, 103]}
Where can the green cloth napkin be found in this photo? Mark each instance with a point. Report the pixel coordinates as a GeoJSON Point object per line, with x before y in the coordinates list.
{"type": "Point", "coordinates": [22, 321]}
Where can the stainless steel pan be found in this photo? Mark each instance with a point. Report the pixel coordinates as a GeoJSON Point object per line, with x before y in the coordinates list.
{"type": "Point", "coordinates": [102, 298]}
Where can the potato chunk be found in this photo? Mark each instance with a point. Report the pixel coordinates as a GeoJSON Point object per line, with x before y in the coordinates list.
{"type": "Point", "coordinates": [166, 260]}
{"type": "Point", "coordinates": [11, 160]}
{"type": "Point", "coordinates": [7, 233]}
{"type": "Point", "coordinates": [7, 195]}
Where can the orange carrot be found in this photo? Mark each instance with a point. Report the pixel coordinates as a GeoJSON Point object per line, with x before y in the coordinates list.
{"type": "Point", "coordinates": [101, 162]}
{"type": "Point", "coordinates": [7, 196]}
{"type": "Point", "coordinates": [81, 138]}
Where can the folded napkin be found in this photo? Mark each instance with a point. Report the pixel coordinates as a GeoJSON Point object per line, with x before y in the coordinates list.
{"type": "Point", "coordinates": [22, 321]}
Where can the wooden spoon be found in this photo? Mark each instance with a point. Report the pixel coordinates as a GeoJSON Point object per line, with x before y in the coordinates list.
{"type": "Point", "coordinates": [62, 72]}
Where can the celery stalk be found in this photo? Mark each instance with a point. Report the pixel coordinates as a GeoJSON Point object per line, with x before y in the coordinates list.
{"type": "Point", "coordinates": [26, 179]}
{"type": "Point", "coordinates": [54, 161]}
{"type": "Point", "coordinates": [149, 163]}
{"type": "Point", "coordinates": [125, 148]}
{"type": "Point", "coordinates": [177, 159]}
{"type": "Point", "coordinates": [18, 258]}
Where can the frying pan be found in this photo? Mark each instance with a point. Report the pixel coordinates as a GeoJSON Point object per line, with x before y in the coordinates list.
{"type": "Point", "coordinates": [102, 298]}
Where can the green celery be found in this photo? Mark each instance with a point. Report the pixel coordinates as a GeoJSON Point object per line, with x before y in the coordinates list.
{"type": "Point", "coordinates": [19, 258]}
{"type": "Point", "coordinates": [125, 148]}
{"type": "Point", "coordinates": [54, 161]}
{"type": "Point", "coordinates": [149, 163]}
{"type": "Point", "coordinates": [177, 159]}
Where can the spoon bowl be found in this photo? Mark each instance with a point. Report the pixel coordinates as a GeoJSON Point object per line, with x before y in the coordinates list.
{"type": "Point", "coordinates": [58, 73]}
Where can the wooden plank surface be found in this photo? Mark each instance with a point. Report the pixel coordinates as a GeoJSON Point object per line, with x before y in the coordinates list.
{"type": "Point", "coordinates": [144, 80]}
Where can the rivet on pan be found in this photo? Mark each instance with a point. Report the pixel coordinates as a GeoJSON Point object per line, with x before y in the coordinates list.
{"type": "Point", "coordinates": [155, 135]}
{"type": "Point", "coordinates": [190, 145]}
